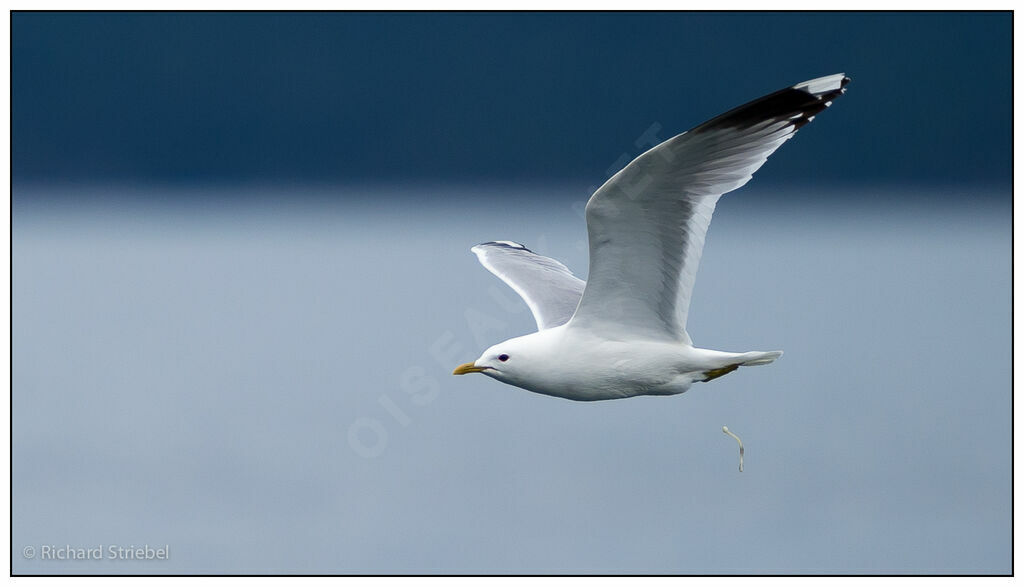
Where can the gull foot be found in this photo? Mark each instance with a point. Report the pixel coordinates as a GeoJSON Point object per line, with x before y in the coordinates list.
{"type": "Point", "coordinates": [716, 373]}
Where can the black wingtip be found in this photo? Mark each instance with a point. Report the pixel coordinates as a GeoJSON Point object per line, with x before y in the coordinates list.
{"type": "Point", "coordinates": [798, 104]}
{"type": "Point", "coordinates": [506, 244]}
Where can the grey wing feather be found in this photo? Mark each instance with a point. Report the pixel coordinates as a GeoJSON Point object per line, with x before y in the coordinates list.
{"type": "Point", "coordinates": [647, 223]}
{"type": "Point", "coordinates": [548, 287]}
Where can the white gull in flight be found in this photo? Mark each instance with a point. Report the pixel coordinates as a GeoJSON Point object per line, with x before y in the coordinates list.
{"type": "Point", "coordinates": [622, 333]}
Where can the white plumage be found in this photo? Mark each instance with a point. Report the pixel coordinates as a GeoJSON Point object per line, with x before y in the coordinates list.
{"type": "Point", "coordinates": [550, 290]}
{"type": "Point", "coordinates": [623, 332]}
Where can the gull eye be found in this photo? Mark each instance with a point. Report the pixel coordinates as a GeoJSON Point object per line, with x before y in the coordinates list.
{"type": "Point", "coordinates": [502, 358]}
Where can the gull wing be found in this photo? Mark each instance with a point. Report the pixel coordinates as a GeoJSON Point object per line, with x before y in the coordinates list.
{"type": "Point", "coordinates": [647, 223]}
{"type": "Point", "coordinates": [550, 290]}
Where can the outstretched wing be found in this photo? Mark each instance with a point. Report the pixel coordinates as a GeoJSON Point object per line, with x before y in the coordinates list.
{"type": "Point", "coordinates": [647, 223]}
{"type": "Point", "coordinates": [550, 290]}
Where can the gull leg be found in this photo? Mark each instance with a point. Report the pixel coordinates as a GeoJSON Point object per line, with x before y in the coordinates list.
{"type": "Point", "coordinates": [716, 373]}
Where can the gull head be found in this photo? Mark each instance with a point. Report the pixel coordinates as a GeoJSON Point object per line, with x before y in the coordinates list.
{"type": "Point", "coordinates": [510, 361]}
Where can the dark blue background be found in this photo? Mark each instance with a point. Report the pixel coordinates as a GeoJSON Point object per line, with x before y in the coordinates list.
{"type": "Point", "coordinates": [197, 97]}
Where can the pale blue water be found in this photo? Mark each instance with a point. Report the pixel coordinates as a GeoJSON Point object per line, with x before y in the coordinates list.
{"type": "Point", "coordinates": [265, 388]}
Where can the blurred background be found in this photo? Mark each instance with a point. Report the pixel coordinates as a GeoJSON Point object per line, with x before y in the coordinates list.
{"type": "Point", "coordinates": [241, 278]}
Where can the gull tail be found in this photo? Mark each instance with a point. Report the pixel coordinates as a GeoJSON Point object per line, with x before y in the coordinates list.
{"type": "Point", "coordinates": [736, 361]}
{"type": "Point", "coordinates": [754, 358]}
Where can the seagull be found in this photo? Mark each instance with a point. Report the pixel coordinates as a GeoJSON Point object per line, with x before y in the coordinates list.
{"type": "Point", "coordinates": [622, 333]}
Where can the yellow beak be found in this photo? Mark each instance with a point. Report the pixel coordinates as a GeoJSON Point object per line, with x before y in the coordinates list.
{"type": "Point", "coordinates": [467, 368]}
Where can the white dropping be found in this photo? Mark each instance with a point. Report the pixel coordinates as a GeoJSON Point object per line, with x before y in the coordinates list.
{"type": "Point", "coordinates": [726, 430]}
